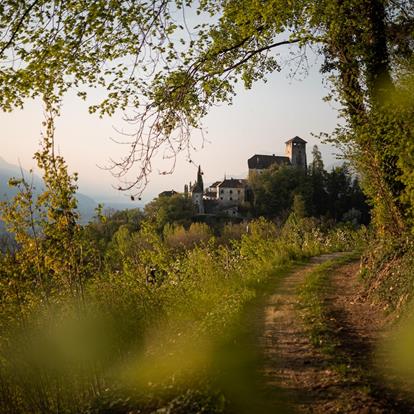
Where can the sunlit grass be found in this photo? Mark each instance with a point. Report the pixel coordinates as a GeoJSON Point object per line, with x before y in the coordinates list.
{"type": "Point", "coordinates": [182, 341]}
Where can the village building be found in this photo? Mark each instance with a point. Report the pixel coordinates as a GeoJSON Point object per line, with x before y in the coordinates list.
{"type": "Point", "coordinates": [232, 191]}
{"type": "Point", "coordinates": [229, 195]}
{"type": "Point", "coordinates": [295, 150]}
{"type": "Point", "coordinates": [232, 211]}
{"type": "Point", "coordinates": [221, 197]}
{"type": "Point", "coordinates": [259, 163]}
{"type": "Point", "coordinates": [197, 192]}
{"type": "Point", "coordinates": [212, 191]}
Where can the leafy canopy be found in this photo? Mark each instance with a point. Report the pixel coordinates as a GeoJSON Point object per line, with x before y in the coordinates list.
{"type": "Point", "coordinates": [171, 60]}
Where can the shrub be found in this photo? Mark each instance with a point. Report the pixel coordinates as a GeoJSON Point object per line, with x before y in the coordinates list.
{"type": "Point", "coordinates": [178, 237]}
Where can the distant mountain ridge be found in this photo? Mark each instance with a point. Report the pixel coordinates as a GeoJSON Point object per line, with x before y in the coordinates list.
{"type": "Point", "coordinates": [86, 204]}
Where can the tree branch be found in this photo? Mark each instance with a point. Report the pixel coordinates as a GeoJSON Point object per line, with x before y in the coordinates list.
{"type": "Point", "coordinates": [17, 28]}
{"type": "Point", "coordinates": [257, 51]}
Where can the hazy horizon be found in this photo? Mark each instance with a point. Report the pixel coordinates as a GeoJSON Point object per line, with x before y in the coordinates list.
{"type": "Point", "coordinates": [258, 122]}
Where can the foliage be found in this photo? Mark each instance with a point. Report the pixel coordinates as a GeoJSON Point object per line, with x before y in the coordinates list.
{"type": "Point", "coordinates": [331, 194]}
{"type": "Point", "coordinates": [183, 66]}
{"type": "Point", "coordinates": [145, 327]}
{"type": "Point", "coordinates": [387, 272]}
{"type": "Point", "coordinates": [383, 155]}
{"type": "Point", "coordinates": [102, 230]}
{"type": "Point", "coordinates": [178, 237]}
{"type": "Point", "coordinates": [78, 332]}
{"type": "Point", "coordinates": [398, 349]}
{"type": "Point", "coordinates": [274, 190]}
{"type": "Point", "coordinates": [51, 250]}
{"type": "Point", "coordinates": [232, 231]}
{"type": "Point", "coordinates": [174, 210]}
{"type": "Point", "coordinates": [41, 279]}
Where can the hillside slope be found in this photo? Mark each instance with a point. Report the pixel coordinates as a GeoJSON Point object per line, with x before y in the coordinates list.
{"type": "Point", "coordinates": [86, 205]}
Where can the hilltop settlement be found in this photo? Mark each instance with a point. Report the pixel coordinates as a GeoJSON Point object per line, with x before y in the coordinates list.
{"type": "Point", "coordinates": [229, 196]}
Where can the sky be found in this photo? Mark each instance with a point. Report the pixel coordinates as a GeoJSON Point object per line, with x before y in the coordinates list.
{"type": "Point", "coordinates": [259, 121]}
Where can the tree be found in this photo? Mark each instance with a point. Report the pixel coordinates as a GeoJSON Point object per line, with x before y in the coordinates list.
{"type": "Point", "coordinates": [298, 207]}
{"type": "Point", "coordinates": [316, 194]}
{"type": "Point", "coordinates": [274, 190]}
{"type": "Point", "coordinates": [179, 71]}
{"type": "Point", "coordinates": [53, 257]}
{"type": "Point", "coordinates": [316, 167]}
{"type": "Point", "coordinates": [279, 190]}
{"type": "Point", "coordinates": [174, 210]}
{"type": "Point", "coordinates": [179, 238]}
{"type": "Point", "coordinates": [103, 229]}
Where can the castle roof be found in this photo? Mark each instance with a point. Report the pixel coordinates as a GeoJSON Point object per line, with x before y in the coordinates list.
{"type": "Point", "coordinates": [261, 162]}
{"type": "Point", "coordinates": [233, 183]}
{"type": "Point", "coordinates": [215, 184]}
{"type": "Point", "coordinates": [296, 139]}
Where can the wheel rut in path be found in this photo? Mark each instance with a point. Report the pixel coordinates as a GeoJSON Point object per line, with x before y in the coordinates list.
{"type": "Point", "coordinates": [294, 370]}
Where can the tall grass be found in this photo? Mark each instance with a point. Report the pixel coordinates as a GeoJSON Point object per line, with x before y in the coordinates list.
{"type": "Point", "coordinates": [156, 325]}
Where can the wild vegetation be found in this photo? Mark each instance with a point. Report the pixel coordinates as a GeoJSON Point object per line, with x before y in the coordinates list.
{"type": "Point", "coordinates": [136, 320]}
{"type": "Point", "coordinates": [335, 195]}
{"type": "Point", "coordinates": [105, 317]}
{"type": "Point", "coordinates": [181, 67]}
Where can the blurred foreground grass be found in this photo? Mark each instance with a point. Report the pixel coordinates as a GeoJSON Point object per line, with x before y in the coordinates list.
{"type": "Point", "coordinates": [178, 342]}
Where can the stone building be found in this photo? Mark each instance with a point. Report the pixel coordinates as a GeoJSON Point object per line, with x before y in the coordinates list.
{"type": "Point", "coordinates": [231, 191]}
{"type": "Point", "coordinates": [295, 150]}
{"type": "Point", "coordinates": [211, 191]}
{"type": "Point", "coordinates": [259, 163]}
{"type": "Point", "coordinates": [167, 193]}
{"type": "Point", "coordinates": [229, 195]}
{"type": "Point", "coordinates": [197, 192]}
{"type": "Point", "coordinates": [221, 197]}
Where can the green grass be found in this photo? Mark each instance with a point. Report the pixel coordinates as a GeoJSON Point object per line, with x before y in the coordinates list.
{"type": "Point", "coordinates": [314, 313]}
{"type": "Point", "coordinates": [323, 333]}
{"type": "Point", "coordinates": [180, 343]}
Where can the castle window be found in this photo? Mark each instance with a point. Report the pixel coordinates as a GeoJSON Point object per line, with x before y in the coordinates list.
{"type": "Point", "coordinates": [221, 191]}
{"type": "Point", "coordinates": [231, 198]}
{"type": "Point", "coordinates": [231, 191]}
{"type": "Point", "coordinates": [221, 198]}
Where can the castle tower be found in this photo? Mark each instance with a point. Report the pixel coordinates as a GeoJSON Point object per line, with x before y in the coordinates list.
{"type": "Point", "coordinates": [296, 151]}
{"type": "Point", "coordinates": [197, 192]}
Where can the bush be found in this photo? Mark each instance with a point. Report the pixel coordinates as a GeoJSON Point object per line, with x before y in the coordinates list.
{"type": "Point", "coordinates": [387, 270]}
{"type": "Point", "coordinates": [178, 237]}
{"type": "Point", "coordinates": [150, 325]}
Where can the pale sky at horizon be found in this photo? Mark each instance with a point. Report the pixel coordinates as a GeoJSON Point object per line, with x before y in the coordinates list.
{"type": "Point", "coordinates": [259, 121]}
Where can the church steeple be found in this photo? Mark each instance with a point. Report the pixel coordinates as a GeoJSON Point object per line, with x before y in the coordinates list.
{"type": "Point", "coordinates": [197, 192]}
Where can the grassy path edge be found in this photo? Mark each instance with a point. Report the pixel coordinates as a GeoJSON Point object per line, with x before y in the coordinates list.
{"type": "Point", "coordinates": [312, 309]}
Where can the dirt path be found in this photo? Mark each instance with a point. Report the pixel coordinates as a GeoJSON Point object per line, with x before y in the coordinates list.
{"type": "Point", "coordinates": [305, 375]}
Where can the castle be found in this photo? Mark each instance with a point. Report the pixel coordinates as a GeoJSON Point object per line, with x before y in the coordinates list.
{"type": "Point", "coordinates": [230, 195]}
{"type": "Point", "coordinates": [295, 151]}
